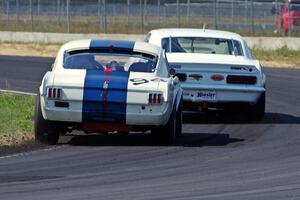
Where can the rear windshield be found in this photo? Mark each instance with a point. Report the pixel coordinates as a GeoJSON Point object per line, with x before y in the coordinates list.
{"type": "Point", "coordinates": [202, 45]}
{"type": "Point", "coordinates": [109, 61]}
{"type": "Point", "coordinates": [295, 6]}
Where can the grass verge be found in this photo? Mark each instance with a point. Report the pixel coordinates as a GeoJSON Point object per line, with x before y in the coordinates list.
{"type": "Point", "coordinates": [283, 57]}
{"type": "Point", "coordinates": [16, 119]}
{"type": "Point", "coordinates": [29, 49]}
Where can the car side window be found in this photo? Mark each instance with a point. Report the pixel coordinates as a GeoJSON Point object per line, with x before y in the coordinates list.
{"type": "Point", "coordinates": [295, 6]}
{"type": "Point", "coordinates": [238, 48]}
{"type": "Point", "coordinates": [248, 51]}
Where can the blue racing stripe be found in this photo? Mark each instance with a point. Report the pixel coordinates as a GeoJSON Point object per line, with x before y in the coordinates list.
{"type": "Point", "coordinates": [112, 45]}
{"type": "Point", "coordinates": [112, 107]}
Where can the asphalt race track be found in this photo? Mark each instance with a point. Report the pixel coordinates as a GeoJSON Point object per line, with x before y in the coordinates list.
{"type": "Point", "coordinates": [23, 73]}
{"type": "Point", "coordinates": [217, 157]}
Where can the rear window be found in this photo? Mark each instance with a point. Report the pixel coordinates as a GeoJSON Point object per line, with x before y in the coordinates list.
{"type": "Point", "coordinates": [202, 45]}
{"type": "Point", "coordinates": [109, 61]}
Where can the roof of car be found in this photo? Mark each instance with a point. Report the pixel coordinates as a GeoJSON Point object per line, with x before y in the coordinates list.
{"type": "Point", "coordinates": [185, 32]}
{"type": "Point", "coordinates": [112, 45]}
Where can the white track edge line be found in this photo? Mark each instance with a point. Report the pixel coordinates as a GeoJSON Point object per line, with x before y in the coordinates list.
{"type": "Point", "coordinates": [17, 92]}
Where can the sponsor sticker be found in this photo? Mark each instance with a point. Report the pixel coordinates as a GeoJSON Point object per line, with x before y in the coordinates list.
{"type": "Point", "coordinates": [138, 81]}
{"type": "Point", "coordinates": [206, 95]}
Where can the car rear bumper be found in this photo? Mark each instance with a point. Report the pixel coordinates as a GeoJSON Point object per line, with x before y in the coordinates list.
{"type": "Point", "coordinates": [247, 94]}
{"type": "Point", "coordinates": [152, 115]}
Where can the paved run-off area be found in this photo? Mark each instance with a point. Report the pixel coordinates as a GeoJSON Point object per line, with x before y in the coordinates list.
{"type": "Point", "coordinates": [216, 157]}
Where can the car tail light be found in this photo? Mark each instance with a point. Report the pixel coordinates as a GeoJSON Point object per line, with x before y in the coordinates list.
{"type": "Point", "coordinates": [155, 98]}
{"type": "Point", "coordinates": [217, 77]}
{"type": "Point", "coordinates": [249, 80]}
{"type": "Point", "coordinates": [49, 92]}
{"type": "Point", "coordinates": [54, 93]}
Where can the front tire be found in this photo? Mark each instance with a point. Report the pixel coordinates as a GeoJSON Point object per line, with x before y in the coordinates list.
{"type": "Point", "coordinates": [165, 134]}
{"type": "Point", "coordinates": [44, 131]}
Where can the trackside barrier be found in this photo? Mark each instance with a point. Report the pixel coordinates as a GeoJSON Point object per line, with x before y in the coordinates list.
{"type": "Point", "coordinates": [267, 43]}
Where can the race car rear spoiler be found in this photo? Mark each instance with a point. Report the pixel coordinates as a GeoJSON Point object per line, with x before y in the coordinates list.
{"type": "Point", "coordinates": [112, 46]}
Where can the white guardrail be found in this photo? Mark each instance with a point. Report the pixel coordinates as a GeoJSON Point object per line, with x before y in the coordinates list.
{"type": "Point", "coordinates": [267, 43]}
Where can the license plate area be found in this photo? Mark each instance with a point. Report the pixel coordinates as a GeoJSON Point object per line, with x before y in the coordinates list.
{"type": "Point", "coordinates": [206, 95]}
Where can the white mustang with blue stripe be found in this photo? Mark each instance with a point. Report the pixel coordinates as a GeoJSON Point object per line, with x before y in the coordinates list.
{"type": "Point", "coordinates": [108, 86]}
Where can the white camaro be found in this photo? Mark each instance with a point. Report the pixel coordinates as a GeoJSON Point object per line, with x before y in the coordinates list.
{"type": "Point", "coordinates": [106, 86]}
{"type": "Point", "coordinates": [216, 69]}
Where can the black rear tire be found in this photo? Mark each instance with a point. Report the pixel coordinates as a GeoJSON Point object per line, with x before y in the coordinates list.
{"type": "Point", "coordinates": [257, 111]}
{"type": "Point", "coordinates": [45, 132]}
{"type": "Point", "coordinates": [165, 134]}
{"type": "Point", "coordinates": [179, 119]}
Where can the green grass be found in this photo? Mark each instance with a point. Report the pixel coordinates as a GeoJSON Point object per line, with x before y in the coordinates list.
{"type": "Point", "coordinates": [282, 55]}
{"type": "Point", "coordinates": [16, 114]}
